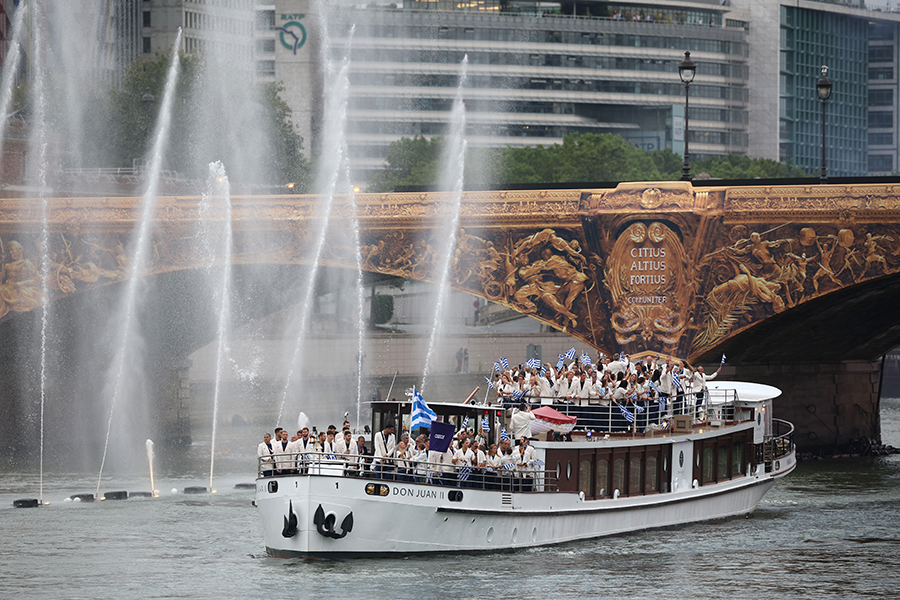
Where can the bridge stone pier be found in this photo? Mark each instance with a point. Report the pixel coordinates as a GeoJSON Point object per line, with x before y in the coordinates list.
{"type": "Point", "coordinates": [797, 284]}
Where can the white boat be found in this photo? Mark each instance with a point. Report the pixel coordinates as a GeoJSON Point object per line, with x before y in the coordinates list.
{"type": "Point", "coordinates": [600, 480]}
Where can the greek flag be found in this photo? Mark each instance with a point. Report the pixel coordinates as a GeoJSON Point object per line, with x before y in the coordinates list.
{"type": "Point", "coordinates": [629, 416]}
{"type": "Point", "coordinates": [662, 403]}
{"type": "Point", "coordinates": [504, 436]}
{"type": "Point", "coordinates": [485, 425]}
{"type": "Point", "coordinates": [497, 367]}
{"type": "Point", "coordinates": [422, 416]}
{"type": "Point", "coordinates": [638, 408]}
{"type": "Point", "coordinates": [490, 383]}
{"type": "Point", "coordinates": [465, 423]}
{"type": "Point", "coordinates": [505, 363]}
{"type": "Point", "coordinates": [676, 380]}
{"type": "Point", "coordinates": [723, 359]}
{"type": "Point", "coordinates": [560, 364]}
{"type": "Point", "coordinates": [570, 353]}
{"type": "Point", "coordinates": [465, 473]}
{"type": "Point", "coordinates": [585, 360]}
{"type": "Point", "coordinates": [538, 462]}
{"type": "Point", "coordinates": [518, 395]}
{"type": "Point", "coordinates": [543, 371]}
{"type": "Point", "coordinates": [509, 466]}
{"type": "Point", "coordinates": [533, 363]}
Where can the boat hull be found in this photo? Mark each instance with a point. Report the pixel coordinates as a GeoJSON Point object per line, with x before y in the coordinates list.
{"type": "Point", "coordinates": [415, 518]}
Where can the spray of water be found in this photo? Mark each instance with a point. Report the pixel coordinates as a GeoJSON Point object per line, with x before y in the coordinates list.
{"type": "Point", "coordinates": [9, 70]}
{"type": "Point", "coordinates": [219, 187]}
{"type": "Point", "coordinates": [40, 141]}
{"type": "Point", "coordinates": [153, 490]}
{"type": "Point", "coordinates": [138, 264]}
{"type": "Point", "coordinates": [334, 156]}
{"type": "Point", "coordinates": [452, 179]}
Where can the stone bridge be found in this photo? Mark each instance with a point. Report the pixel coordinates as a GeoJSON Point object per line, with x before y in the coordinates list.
{"type": "Point", "coordinates": [797, 284]}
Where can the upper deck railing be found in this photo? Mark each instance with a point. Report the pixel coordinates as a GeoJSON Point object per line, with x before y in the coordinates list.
{"type": "Point", "coordinates": [406, 470]}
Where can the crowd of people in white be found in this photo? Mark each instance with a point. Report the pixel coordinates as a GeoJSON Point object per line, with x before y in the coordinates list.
{"type": "Point", "coordinates": [612, 380]}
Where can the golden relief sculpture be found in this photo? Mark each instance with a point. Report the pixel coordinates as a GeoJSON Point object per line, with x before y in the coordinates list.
{"type": "Point", "coordinates": [762, 273]}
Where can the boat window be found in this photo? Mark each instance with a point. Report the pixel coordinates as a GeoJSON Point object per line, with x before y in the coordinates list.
{"type": "Point", "coordinates": [618, 478]}
{"type": "Point", "coordinates": [737, 457]}
{"type": "Point", "coordinates": [568, 470]}
{"type": "Point", "coordinates": [708, 465]}
{"type": "Point", "coordinates": [584, 477]}
{"type": "Point", "coordinates": [634, 475]}
{"type": "Point", "coordinates": [602, 480]}
{"type": "Point", "coordinates": [651, 480]}
{"type": "Point", "coordinates": [722, 472]}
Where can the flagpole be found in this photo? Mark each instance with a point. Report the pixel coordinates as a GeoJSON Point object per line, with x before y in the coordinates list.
{"type": "Point", "coordinates": [487, 389]}
{"type": "Point", "coordinates": [392, 385]}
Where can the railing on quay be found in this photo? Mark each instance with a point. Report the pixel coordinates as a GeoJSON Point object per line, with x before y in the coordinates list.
{"type": "Point", "coordinates": [406, 470]}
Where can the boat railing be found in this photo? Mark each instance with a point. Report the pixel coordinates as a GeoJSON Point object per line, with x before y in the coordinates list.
{"type": "Point", "coordinates": [406, 470]}
{"type": "Point", "coordinates": [780, 444]}
{"type": "Point", "coordinates": [606, 416]}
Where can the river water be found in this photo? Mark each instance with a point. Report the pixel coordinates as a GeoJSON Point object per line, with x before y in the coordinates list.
{"type": "Point", "coordinates": [829, 530]}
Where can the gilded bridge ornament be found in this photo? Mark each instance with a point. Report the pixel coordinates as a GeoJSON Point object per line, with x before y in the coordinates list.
{"type": "Point", "coordinates": [645, 266]}
{"type": "Point", "coordinates": [651, 294]}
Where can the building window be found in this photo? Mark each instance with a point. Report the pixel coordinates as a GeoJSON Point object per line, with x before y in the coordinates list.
{"type": "Point", "coordinates": [146, 45]}
{"type": "Point", "coordinates": [265, 46]}
{"type": "Point", "coordinates": [880, 163]}
{"type": "Point", "coordinates": [881, 119]}
{"type": "Point", "coordinates": [881, 97]}
{"type": "Point", "coordinates": [881, 53]}
{"type": "Point", "coordinates": [881, 139]}
{"type": "Point", "coordinates": [265, 68]}
{"type": "Point", "coordinates": [146, 18]}
{"type": "Point", "coordinates": [879, 73]}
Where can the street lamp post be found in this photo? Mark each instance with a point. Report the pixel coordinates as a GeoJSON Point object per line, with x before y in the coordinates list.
{"type": "Point", "coordinates": [686, 71]}
{"type": "Point", "coordinates": [823, 89]}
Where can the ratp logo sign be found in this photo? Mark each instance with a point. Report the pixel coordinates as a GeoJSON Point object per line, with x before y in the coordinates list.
{"type": "Point", "coordinates": [292, 33]}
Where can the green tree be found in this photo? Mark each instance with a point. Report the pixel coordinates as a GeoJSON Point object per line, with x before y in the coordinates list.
{"type": "Point", "coordinates": [409, 161]}
{"type": "Point", "coordinates": [735, 166]}
{"type": "Point", "coordinates": [257, 142]}
{"type": "Point", "coordinates": [602, 157]}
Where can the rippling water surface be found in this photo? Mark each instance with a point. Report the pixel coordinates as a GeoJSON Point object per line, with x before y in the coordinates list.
{"type": "Point", "coordinates": [829, 530]}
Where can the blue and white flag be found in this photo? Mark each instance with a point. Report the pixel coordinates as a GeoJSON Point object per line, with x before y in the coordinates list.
{"type": "Point", "coordinates": [676, 380]}
{"type": "Point", "coordinates": [723, 359]}
{"type": "Point", "coordinates": [518, 395]}
{"type": "Point", "coordinates": [662, 403]}
{"type": "Point", "coordinates": [538, 462]}
{"type": "Point", "coordinates": [465, 473]}
{"type": "Point", "coordinates": [585, 360]}
{"type": "Point", "coordinates": [504, 436]}
{"type": "Point", "coordinates": [533, 363]}
{"type": "Point", "coordinates": [485, 425]}
{"type": "Point", "coordinates": [509, 466]}
{"type": "Point", "coordinates": [629, 416]}
{"type": "Point", "coordinates": [560, 364]}
{"type": "Point", "coordinates": [422, 416]}
{"type": "Point", "coordinates": [497, 367]}
{"type": "Point", "coordinates": [638, 408]}
{"type": "Point", "coordinates": [653, 386]}
{"type": "Point", "coordinates": [465, 423]}
{"type": "Point", "coordinates": [504, 363]}
{"type": "Point", "coordinates": [490, 383]}
{"type": "Point", "coordinates": [543, 371]}
{"type": "Point", "coordinates": [570, 353]}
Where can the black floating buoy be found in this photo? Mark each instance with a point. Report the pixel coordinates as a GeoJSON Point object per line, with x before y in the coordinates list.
{"type": "Point", "coordinates": [82, 497]}
{"type": "Point", "coordinates": [141, 495]}
{"type": "Point", "coordinates": [245, 486]}
{"type": "Point", "coordinates": [26, 503]}
{"type": "Point", "coordinates": [115, 495]}
{"type": "Point", "coordinates": [195, 489]}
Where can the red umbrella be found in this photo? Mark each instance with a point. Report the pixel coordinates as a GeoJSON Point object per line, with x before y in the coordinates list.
{"type": "Point", "coordinates": [548, 419]}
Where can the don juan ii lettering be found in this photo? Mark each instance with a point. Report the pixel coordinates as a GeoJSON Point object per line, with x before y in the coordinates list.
{"type": "Point", "coordinates": [416, 493]}
{"type": "Point", "coordinates": [648, 268]}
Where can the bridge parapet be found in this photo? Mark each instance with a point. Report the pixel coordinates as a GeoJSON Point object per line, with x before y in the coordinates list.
{"type": "Point", "coordinates": [657, 267]}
